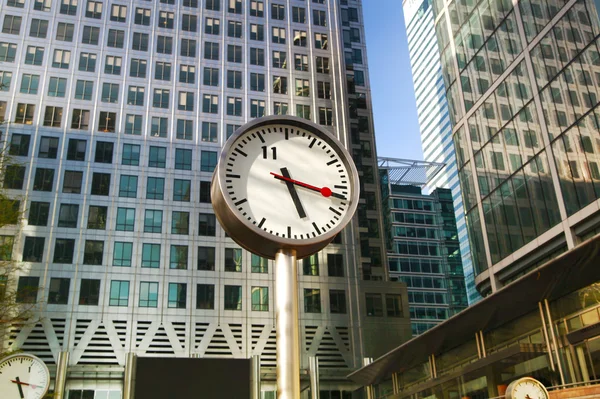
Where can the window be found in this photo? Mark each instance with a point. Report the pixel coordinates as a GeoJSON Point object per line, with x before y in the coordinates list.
{"type": "Point", "coordinates": [260, 299]}
{"type": "Point", "coordinates": [33, 249]}
{"type": "Point", "coordinates": [205, 296]}
{"type": "Point", "coordinates": [87, 62]}
{"type": "Point", "coordinates": [209, 132]}
{"type": "Point", "coordinates": [188, 48]}
{"type": "Point", "coordinates": [210, 103]}
{"type": "Point", "coordinates": [181, 190]}
{"type": "Point", "coordinates": [97, 217]}
{"type": "Point", "coordinates": [212, 26]}
{"type": "Point", "coordinates": [180, 223]}
{"type": "Point", "coordinates": [374, 305]}
{"type": "Point", "coordinates": [76, 150]}
{"type": "Point", "coordinates": [39, 28]}
{"type": "Point", "coordinates": [93, 252]}
{"type": "Point", "coordinates": [257, 32]}
{"type": "Point", "coordinates": [319, 18]}
{"type": "Point", "coordinates": [142, 16]}
{"type": "Point", "coordinates": [189, 23]}
{"type": "Point", "coordinates": [280, 108]}
{"type": "Point", "coordinates": [259, 264]}
{"type": "Point", "coordinates": [139, 41]}
{"type": "Point", "coordinates": [302, 87]}
{"type": "Point", "coordinates": [148, 295]}
{"type": "Point", "coordinates": [322, 64]}
{"type": "Point", "coordinates": [135, 95]}
{"type": "Point", "coordinates": [6, 249]}
{"type": "Point", "coordinates": [94, 9]}
{"type": "Point", "coordinates": [118, 13]}
{"type": "Point", "coordinates": [110, 93]}
{"type": "Point", "coordinates": [131, 154]}
{"type": "Point", "coordinates": [257, 108]}
{"type": "Point", "coordinates": [128, 186]}
{"type": "Point", "coordinates": [72, 182]}
{"type": "Point", "coordinates": [324, 90]}
{"type": "Point", "coordinates": [5, 79]}
{"type": "Point", "coordinates": [211, 51]}
{"type": "Point", "coordinates": [116, 38]}
{"type": "Point", "coordinates": [393, 304]}
{"type": "Point", "coordinates": [153, 221]}
{"type": "Point", "coordinates": [205, 192]}
{"type": "Point", "coordinates": [43, 179]}
{"type": "Point", "coordinates": [186, 101]}
{"type": "Point", "coordinates": [27, 289]}
{"type": "Point", "coordinates": [206, 224]}
{"type": "Point", "coordinates": [57, 87]}
{"type": "Point", "coordinates": [161, 98]}
{"type": "Point", "coordinates": [104, 152]}
{"type": "Point", "coordinates": [335, 265]}
{"type": "Point", "coordinates": [107, 121]}
{"type": "Point", "coordinates": [8, 52]}
{"type": "Point", "coordinates": [179, 257]}
{"type": "Point", "coordinates": [42, 5]}
{"type": "Point", "coordinates": [257, 81]}
{"type": "Point", "coordinates": [233, 260]}
{"type": "Point", "coordinates": [14, 176]}
{"type": "Point", "coordinates": [312, 300]}
{"type": "Point", "coordinates": [279, 59]}
{"type": "Point", "coordinates": [301, 62]}
{"type": "Point", "coordinates": [231, 129]}
{"type": "Point", "coordinates": [38, 213]}
{"type": "Point", "coordinates": [185, 129]}
{"type": "Point", "coordinates": [63, 250]}
{"type": "Point", "coordinates": [234, 106]}
{"type": "Point", "coordinates": [91, 35]}
{"type": "Point", "coordinates": [234, 29]}
{"type": "Point", "coordinates": [29, 83]}
{"type": "Point", "coordinates": [183, 159]}
{"type": "Point", "coordinates": [177, 294]}
{"type": "Point", "coordinates": [113, 65]}
{"type": "Point", "coordinates": [67, 216]}
{"type": "Point", "coordinates": [16, 3]}
{"type": "Point", "coordinates": [165, 19]}
{"type": "Point", "coordinates": [33, 56]}
{"type": "Point", "coordinates": [89, 292]}
{"type": "Point", "coordinates": [235, 6]}
{"type": "Point", "coordinates": [214, 5]}
{"type": "Point", "coordinates": [208, 161]}
{"type": "Point", "coordinates": [58, 291]}
{"type": "Point", "coordinates": [303, 111]}
{"type": "Point", "coordinates": [300, 38]}
{"type": "Point", "coordinates": [125, 219]}
{"type": "Point", "coordinates": [12, 24]}
{"type": "Point", "coordinates": [164, 45]}
{"type": "Point", "coordinates": [206, 258]}
{"type": "Point", "coordinates": [234, 79]}
{"type": "Point", "coordinates": [326, 118]}
{"type": "Point", "coordinates": [187, 74]}
{"type": "Point", "coordinates": [80, 119]}
{"type": "Point", "coordinates": [299, 15]}
{"type": "Point", "coordinates": [278, 35]}
{"type": "Point", "coordinates": [280, 85]}
{"type": "Point", "coordinates": [158, 127]}
{"type": "Point", "coordinates": [53, 116]}
{"type": "Point", "coordinates": [234, 53]}
{"type": "Point", "coordinates": [68, 7]}
{"type": "Point", "coordinates": [257, 8]}
{"type": "Point", "coordinates": [233, 297]}
{"type": "Point", "coordinates": [337, 301]}
{"type": "Point", "coordinates": [321, 41]}
{"type": "Point", "coordinates": [155, 188]}
{"type": "Point", "coordinates": [48, 147]}
{"type": "Point", "coordinates": [19, 145]}
{"type": "Point", "coordinates": [138, 68]}
{"type": "Point", "coordinates": [278, 12]}
{"type": "Point", "coordinates": [151, 255]}
{"type": "Point", "coordinates": [119, 293]}
{"type": "Point", "coordinates": [162, 71]}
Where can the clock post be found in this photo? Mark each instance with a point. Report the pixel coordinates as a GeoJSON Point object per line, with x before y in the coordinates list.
{"type": "Point", "coordinates": [283, 189]}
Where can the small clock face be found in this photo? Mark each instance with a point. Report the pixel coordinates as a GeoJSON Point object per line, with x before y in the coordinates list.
{"type": "Point", "coordinates": [527, 388]}
{"type": "Point", "coordinates": [23, 376]}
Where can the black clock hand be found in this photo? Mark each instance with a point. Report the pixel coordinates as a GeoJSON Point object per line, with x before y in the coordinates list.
{"type": "Point", "coordinates": [293, 193]}
{"type": "Point", "coordinates": [20, 389]}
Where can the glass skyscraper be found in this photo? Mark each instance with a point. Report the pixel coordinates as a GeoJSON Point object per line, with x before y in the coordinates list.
{"type": "Point", "coordinates": [522, 86]}
{"type": "Point", "coordinates": [434, 120]}
{"type": "Point", "coordinates": [114, 116]}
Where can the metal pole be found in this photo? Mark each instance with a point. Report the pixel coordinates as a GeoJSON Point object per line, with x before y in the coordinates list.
{"type": "Point", "coordinates": [368, 388]}
{"type": "Point", "coordinates": [129, 376]}
{"type": "Point", "coordinates": [286, 315]}
{"type": "Point", "coordinates": [255, 377]}
{"type": "Point", "coordinates": [313, 366]}
{"type": "Point", "coordinates": [61, 375]}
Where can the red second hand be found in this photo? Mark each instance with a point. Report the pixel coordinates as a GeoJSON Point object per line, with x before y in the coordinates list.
{"type": "Point", "coordinates": [325, 191]}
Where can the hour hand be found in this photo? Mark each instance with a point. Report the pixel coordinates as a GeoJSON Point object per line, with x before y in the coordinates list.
{"type": "Point", "coordinates": [292, 189]}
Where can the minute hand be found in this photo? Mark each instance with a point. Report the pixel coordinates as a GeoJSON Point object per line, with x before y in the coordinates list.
{"type": "Point", "coordinates": [325, 191]}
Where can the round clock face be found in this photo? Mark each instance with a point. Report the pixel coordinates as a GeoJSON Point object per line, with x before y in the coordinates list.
{"type": "Point", "coordinates": [526, 388]}
{"type": "Point", "coordinates": [290, 183]}
{"type": "Point", "coordinates": [23, 376]}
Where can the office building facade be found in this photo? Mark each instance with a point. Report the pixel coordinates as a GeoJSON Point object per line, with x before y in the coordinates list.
{"type": "Point", "coordinates": [434, 120]}
{"type": "Point", "coordinates": [422, 242]}
{"type": "Point", "coordinates": [114, 115]}
{"type": "Point", "coordinates": [521, 84]}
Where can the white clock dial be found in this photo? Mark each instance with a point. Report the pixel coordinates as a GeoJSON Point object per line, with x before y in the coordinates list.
{"type": "Point", "coordinates": [288, 182]}
{"type": "Point", "coordinates": [23, 376]}
{"type": "Point", "coordinates": [526, 388]}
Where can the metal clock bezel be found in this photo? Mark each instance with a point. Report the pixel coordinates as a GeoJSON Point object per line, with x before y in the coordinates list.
{"type": "Point", "coordinates": [511, 386]}
{"type": "Point", "coordinates": [250, 236]}
{"type": "Point", "coordinates": [35, 358]}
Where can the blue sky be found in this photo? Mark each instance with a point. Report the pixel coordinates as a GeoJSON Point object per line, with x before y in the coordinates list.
{"type": "Point", "coordinates": [392, 92]}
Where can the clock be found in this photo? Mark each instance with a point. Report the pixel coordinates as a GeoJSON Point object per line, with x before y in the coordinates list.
{"type": "Point", "coordinates": [526, 388]}
{"type": "Point", "coordinates": [283, 182]}
{"type": "Point", "coordinates": [23, 376]}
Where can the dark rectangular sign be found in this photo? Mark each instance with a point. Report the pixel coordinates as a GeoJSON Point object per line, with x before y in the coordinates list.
{"type": "Point", "coordinates": [162, 378]}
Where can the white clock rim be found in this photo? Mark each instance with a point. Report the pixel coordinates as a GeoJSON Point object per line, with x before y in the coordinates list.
{"type": "Point", "coordinates": [283, 242]}
{"type": "Point", "coordinates": [34, 357]}
{"type": "Point", "coordinates": [513, 384]}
